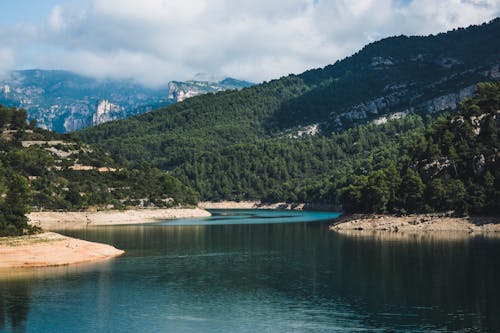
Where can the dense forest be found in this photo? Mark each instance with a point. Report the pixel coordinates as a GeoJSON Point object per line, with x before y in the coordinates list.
{"type": "Point", "coordinates": [454, 166]}
{"type": "Point", "coordinates": [310, 169]}
{"type": "Point", "coordinates": [394, 74]}
{"type": "Point", "coordinates": [42, 170]}
{"type": "Point", "coordinates": [250, 144]}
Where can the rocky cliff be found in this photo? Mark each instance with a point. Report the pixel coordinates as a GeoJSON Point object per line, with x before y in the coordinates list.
{"type": "Point", "coordinates": [65, 102]}
{"type": "Point", "coordinates": [179, 91]}
{"type": "Point", "coordinates": [107, 111]}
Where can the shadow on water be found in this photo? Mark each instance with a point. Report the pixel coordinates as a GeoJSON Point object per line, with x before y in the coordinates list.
{"type": "Point", "coordinates": [16, 286]}
{"type": "Point", "coordinates": [14, 306]}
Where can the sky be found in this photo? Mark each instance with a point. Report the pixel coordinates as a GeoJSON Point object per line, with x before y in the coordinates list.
{"type": "Point", "coordinates": [156, 41]}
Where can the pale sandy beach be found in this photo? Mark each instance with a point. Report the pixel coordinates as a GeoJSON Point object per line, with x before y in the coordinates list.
{"type": "Point", "coordinates": [78, 220]}
{"type": "Point", "coordinates": [51, 249]}
{"type": "Point", "coordinates": [417, 224]}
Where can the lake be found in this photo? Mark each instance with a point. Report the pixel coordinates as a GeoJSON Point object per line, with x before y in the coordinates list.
{"type": "Point", "coordinates": [261, 271]}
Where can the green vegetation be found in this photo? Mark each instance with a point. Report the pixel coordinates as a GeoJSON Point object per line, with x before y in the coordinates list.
{"type": "Point", "coordinates": [236, 144]}
{"type": "Point", "coordinates": [43, 170]}
{"type": "Point", "coordinates": [454, 166]}
{"type": "Point", "coordinates": [297, 170]}
{"type": "Point", "coordinates": [260, 142]}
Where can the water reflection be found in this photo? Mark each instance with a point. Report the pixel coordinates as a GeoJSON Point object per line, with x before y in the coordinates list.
{"type": "Point", "coordinates": [14, 306]}
{"type": "Point", "coordinates": [422, 236]}
{"type": "Point", "coordinates": [41, 273]}
{"type": "Point", "coordinates": [296, 277]}
{"type": "Point", "coordinates": [16, 286]}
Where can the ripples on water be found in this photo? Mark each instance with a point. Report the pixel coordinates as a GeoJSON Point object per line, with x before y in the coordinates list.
{"type": "Point", "coordinates": [261, 275]}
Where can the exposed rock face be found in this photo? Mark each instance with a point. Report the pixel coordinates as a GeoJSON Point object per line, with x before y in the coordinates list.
{"type": "Point", "coordinates": [6, 90]}
{"type": "Point", "coordinates": [393, 116]}
{"type": "Point", "coordinates": [309, 130]}
{"type": "Point", "coordinates": [433, 168]}
{"type": "Point", "coordinates": [381, 107]}
{"type": "Point", "coordinates": [72, 123]}
{"type": "Point", "coordinates": [366, 110]}
{"type": "Point", "coordinates": [65, 102]}
{"type": "Point", "coordinates": [476, 123]}
{"type": "Point", "coordinates": [449, 101]}
{"type": "Point", "coordinates": [381, 61]}
{"type": "Point", "coordinates": [107, 111]}
{"type": "Point", "coordinates": [179, 91]}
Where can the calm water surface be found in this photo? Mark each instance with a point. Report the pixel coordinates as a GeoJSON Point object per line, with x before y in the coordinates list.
{"type": "Point", "coordinates": [255, 271]}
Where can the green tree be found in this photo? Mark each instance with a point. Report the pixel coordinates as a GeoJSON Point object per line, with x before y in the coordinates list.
{"type": "Point", "coordinates": [411, 191]}
{"type": "Point", "coordinates": [16, 202]}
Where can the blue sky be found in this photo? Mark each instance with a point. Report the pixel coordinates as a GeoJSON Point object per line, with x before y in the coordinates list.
{"type": "Point", "coordinates": [155, 41]}
{"type": "Point", "coordinates": [25, 11]}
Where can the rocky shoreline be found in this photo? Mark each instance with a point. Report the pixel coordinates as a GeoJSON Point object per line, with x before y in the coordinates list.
{"type": "Point", "coordinates": [79, 220]}
{"type": "Point", "coordinates": [52, 249]}
{"type": "Point", "coordinates": [260, 205]}
{"type": "Point", "coordinates": [416, 223]}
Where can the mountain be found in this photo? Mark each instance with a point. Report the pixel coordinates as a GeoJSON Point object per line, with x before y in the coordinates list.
{"type": "Point", "coordinates": [179, 91]}
{"type": "Point", "coordinates": [65, 101]}
{"type": "Point", "coordinates": [288, 138]}
{"type": "Point", "coordinates": [44, 170]}
{"type": "Point", "coordinates": [455, 165]}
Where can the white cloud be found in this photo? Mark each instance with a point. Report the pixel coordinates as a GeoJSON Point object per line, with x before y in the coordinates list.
{"type": "Point", "coordinates": [56, 19]}
{"type": "Point", "coordinates": [6, 60]}
{"type": "Point", "coordinates": [156, 41]}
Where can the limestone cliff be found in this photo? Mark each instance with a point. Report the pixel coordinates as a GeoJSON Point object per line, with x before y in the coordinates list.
{"type": "Point", "coordinates": [107, 111]}
{"type": "Point", "coordinates": [179, 91]}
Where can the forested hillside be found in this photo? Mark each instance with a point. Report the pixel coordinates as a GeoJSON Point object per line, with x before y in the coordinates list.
{"type": "Point", "coordinates": [299, 137]}
{"type": "Point", "coordinates": [297, 170]}
{"type": "Point", "coordinates": [42, 170]}
{"type": "Point", "coordinates": [454, 166]}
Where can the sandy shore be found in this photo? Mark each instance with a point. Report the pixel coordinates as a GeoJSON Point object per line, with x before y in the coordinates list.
{"type": "Point", "coordinates": [51, 249]}
{"type": "Point", "coordinates": [417, 223]}
{"type": "Point", "coordinates": [248, 205]}
{"type": "Point", "coordinates": [78, 220]}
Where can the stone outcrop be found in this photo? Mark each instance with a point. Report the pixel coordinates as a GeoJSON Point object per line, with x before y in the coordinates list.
{"type": "Point", "coordinates": [449, 101]}
{"type": "Point", "coordinates": [107, 111]}
{"type": "Point", "coordinates": [431, 169]}
{"type": "Point", "coordinates": [378, 110]}
{"type": "Point", "coordinates": [179, 91]}
{"type": "Point", "coordinates": [65, 102]}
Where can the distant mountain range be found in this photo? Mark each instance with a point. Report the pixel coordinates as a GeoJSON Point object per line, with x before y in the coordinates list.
{"type": "Point", "coordinates": [65, 101]}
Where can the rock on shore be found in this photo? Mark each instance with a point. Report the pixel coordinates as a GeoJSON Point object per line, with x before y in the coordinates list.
{"type": "Point", "coordinates": [416, 223]}
{"type": "Point", "coordinates": [250, 205]}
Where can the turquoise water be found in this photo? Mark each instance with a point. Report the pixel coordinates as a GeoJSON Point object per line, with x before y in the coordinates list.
{"type": "Point", "coordinates": [251, 271]}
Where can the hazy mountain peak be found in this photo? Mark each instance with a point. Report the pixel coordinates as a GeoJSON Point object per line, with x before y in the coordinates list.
{"type": "Point", "coordinates": [206, 77]}
{"type": "Point", "coordinates": [64, 101]}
